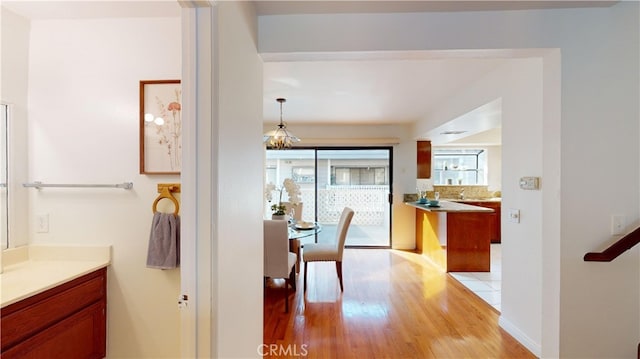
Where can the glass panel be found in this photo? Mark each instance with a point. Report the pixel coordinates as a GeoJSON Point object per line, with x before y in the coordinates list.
{"type": "Point", "coordinates": [304, 174]}
{"type": "Point", "coordinates": [299, 165]}
{"type": "Point", "coordinates": [358, 180]}
{"type": "Point", "coordinates": [381, 176]}
{"type": "Point", "coordinates": [342, 176]}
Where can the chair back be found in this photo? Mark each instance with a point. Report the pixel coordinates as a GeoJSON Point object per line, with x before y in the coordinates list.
{"type": "Point", "coordinates": [276, 249]}
{"type": "Point", "coordinates": [343, 227]}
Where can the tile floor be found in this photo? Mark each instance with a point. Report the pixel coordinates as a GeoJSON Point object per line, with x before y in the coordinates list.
{"type": "Point", "coordinates": [486, 285]}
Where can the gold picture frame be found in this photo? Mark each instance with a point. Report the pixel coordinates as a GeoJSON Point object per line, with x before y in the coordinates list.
{"type": "Point", "coordinates": [160, 127]}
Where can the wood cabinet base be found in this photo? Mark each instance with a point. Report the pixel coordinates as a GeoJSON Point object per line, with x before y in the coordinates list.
{"type": "Point", "coordinates": [494, 218]}
{"type": "Point", "coordinates": [67, 321]}
{"type": "Point", "coordinates": [456, 242]}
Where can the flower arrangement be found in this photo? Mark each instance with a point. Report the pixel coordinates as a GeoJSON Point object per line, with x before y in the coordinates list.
{"type": "Point", "coordinates": [293, 191]}
{"type": "Point", "coordinates": [278, 209]}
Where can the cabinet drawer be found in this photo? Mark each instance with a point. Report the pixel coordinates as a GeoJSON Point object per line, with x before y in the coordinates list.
{"type": "Point", "coordinates": [27, 317]}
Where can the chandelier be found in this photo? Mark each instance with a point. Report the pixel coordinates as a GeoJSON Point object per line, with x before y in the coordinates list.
{"type": "Point", "coordinates": [280, 138]}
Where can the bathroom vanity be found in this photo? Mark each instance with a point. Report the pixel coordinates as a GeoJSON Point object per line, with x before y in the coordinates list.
{"type": "Point", "coordinates": [54, 303]}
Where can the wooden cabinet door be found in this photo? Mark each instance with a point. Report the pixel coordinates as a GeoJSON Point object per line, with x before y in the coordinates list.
{"type": "Point", "coordinates": [424, 159]}
{"type": "Point", "coordinates": [81, 335]}
{"type": "Point", "coordinates": [496, 231]}
{"type": "Point", "coordinates": [66, 321]}
{"type": "Point", "coordinates": [32, 315]}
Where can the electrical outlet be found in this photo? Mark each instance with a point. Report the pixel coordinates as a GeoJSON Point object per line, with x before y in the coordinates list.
{"type": "Point", "coordinates": [617, 224]}
{"type": "Point", "coordinates": [42, 223]}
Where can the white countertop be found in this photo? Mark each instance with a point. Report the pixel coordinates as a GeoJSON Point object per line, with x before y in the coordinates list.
{"type": "Point", "coordinates": [471, 200]}
{"type": "Point", "coordinates": [33, 269]}
{"type": "Point", "coordinates": [448, 207]}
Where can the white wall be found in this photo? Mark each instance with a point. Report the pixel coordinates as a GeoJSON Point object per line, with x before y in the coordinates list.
{"type": "Point", "coordinates": [598, 54]}
{"type": "Point", "coordinates": [224, 159]}
{"type": "Point", "coordinates": [519, 85]}
{"type": "Point", "coordinates": [13, 91]}
{"type": "Point", "coordinates": [83, 128]}
{"type": "Point", "coordinates": [494, 168]}
{"type": "Point", "coordinates": [238, 181]}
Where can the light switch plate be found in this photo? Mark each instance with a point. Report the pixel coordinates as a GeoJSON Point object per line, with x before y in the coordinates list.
{"type": "Point", "coordinates": [617, 224]}
{"type": "Point", "coordinates": [514, 215]}
{"type": "Point", "coordinates": [42, 223]}
{"type": "Point", "coordinates": [530, 183]}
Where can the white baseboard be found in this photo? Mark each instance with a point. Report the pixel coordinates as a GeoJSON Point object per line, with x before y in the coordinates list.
{"type": "Point", "coordinates": [518, 335]}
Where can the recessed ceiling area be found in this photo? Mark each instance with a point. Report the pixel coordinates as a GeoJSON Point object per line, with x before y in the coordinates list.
{"type": "Point", "coordinates": [367, 91]}
{"type": "Point", "coordinates": [479, 126]}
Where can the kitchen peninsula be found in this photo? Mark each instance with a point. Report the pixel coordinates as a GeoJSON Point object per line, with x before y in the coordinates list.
{"type": "Point", "coordinates": [454, 236]}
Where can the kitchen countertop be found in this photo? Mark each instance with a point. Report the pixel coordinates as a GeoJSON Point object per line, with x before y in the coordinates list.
{"type": "Point", "coordinates": [33, 269]}
{"type": "Point", "coordinates": [450, 207]}
{"type": "Point", "coordinates": [492, 199]}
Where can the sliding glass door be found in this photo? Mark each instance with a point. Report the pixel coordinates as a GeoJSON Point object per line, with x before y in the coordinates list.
{"type": "Point", "coordinates": [333, 178]}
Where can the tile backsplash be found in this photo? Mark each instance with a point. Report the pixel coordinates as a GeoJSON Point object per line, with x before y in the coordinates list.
{"type": "Point", "coordinates": [453, 191]}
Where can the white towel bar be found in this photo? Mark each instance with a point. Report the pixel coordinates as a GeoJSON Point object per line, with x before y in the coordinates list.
{"type": "Point", "coordinates": [39, 185]}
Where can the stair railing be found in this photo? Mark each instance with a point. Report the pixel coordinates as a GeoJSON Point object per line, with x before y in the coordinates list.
{"type": "Point", "coordinates": [622, 245]}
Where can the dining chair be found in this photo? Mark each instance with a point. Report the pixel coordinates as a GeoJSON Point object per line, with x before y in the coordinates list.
{"type": "Point", "coordinates": [329, 252]}
{"type": "Point", "coordinates": [279, 262]}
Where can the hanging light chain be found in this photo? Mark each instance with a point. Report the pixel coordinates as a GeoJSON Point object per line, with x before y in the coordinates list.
{"type": "Point", "coordinates": [281, 100]}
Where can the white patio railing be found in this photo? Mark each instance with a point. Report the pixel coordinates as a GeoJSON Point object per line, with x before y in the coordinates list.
{"type": "Point", "coordinates": [370, 204]}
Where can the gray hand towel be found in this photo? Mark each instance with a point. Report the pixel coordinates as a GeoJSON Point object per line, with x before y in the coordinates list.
{"type": "Point", "coordinates": [164, 241]}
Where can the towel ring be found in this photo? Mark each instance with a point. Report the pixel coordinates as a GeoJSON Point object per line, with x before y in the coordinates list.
{"type": "Point", "coordinates": [166, 193]}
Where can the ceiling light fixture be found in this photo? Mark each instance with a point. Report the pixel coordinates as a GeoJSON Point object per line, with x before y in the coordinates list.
{"type": "Point", "coordinates": [280, 138]}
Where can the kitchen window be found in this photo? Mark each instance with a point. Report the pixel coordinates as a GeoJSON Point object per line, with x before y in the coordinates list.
{"type": "Point", "coordinates": [460, 166]}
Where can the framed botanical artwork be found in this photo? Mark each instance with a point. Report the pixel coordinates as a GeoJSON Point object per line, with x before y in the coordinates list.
{"type": "Point", "coordinates": [160, 127]}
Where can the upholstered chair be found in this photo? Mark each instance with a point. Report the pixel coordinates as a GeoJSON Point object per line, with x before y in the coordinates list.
{"type": "Point", "coordinates": [279, 262]}
{"type": "Point", "coordinates": [329, 252]}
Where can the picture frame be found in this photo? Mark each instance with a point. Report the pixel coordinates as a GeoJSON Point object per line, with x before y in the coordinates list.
{"type": "Point", "coordinates": [160, 127]}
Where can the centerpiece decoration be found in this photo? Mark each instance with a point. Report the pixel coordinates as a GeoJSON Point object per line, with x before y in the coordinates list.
{"type": "Point", "coordinates": [293, 191]}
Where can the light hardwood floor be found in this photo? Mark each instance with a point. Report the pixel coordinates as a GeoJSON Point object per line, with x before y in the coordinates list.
{"type": "Point", "coordinates": [394, 305]}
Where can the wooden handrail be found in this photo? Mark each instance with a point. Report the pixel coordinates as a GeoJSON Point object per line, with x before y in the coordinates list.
{"type": "Point", "coordinates": [623, 244]}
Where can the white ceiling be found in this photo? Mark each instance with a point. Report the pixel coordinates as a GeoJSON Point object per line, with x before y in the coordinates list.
{"type": "Point", "coordinates": [366, 91]}
{"type": "Point", "coordinates": [358, 88]}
